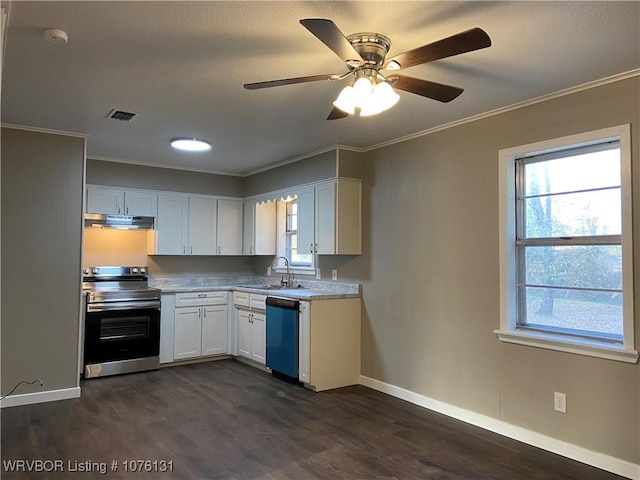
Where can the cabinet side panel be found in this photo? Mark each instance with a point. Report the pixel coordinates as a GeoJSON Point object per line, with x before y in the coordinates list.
{"type": "Point", "coordinates": [334, 343]}
{"type": "Point", "coordinates": [349, 218]}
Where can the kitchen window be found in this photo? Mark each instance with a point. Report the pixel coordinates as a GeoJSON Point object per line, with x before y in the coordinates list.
{"type": "Point", "coordinates": [565, 244]}
{"type": "Point", "coordinates": [287, 239]}
{"type": "Point", "coordinates": [296, 259]}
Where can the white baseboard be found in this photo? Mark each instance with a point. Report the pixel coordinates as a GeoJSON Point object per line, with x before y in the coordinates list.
{"type": "Point", "coordinates": [595, 459]}
{"type": "Point", "coordinates": [40, 397]}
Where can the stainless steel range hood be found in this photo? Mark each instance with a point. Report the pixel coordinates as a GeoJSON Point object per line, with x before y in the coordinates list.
{"type": "Point", "coordinates": [123, 222]}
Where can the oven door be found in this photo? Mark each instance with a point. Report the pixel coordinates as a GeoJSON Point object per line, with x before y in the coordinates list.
{"type": "Point", "coordinates": [121, 331]}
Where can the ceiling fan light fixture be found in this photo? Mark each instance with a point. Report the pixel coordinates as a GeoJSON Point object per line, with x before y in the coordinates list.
{"type": "Point", "coordinates": [370, 98]}
{"type": "Point", "coordinates": [346, 101]}
{"type": "Point", "coordinates": [190, 144]}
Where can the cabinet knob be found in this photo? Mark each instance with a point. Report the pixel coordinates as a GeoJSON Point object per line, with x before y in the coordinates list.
{"type": "Point", "coordinates": [119, 209]}
{"type": "Point", "coordinates": [311, 248]}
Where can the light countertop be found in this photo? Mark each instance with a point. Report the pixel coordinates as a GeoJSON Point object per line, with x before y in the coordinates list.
{"type": "Point", "coordinates": [311, 290]}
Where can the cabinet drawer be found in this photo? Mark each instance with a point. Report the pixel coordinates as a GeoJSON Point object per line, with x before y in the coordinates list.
{"type": "Point", "coordinates": [201, 298]}
{"type": "Point", "coordinates": [241, 299]}
{"type": "Point", "coordinates": [257, 301]}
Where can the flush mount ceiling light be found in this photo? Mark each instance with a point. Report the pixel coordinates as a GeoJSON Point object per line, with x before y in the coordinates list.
{"type": "Point", "coordinates": [189, 144]}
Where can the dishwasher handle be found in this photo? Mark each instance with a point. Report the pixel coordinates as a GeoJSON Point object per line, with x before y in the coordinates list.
{"type": "Point", "coordinates": [282, 303]}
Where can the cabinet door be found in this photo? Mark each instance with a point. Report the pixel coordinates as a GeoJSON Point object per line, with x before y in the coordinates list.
{"type": "Point", "coordinates": [303, 360]}
{"type": "Point", "coordinates": [167, 319]}
{"type": "Point", "coordinates": [306, 239]}
{"type": "Point", "coordinates": [202, 226]}
{"type": "Point", "coordinates": [140, 203]}
{"type": "Point", "coordinates": [244, 333]}
{"type": "Point", "coordinates": [171, 224]}
{"type": "Point", "coordinates": [325, 218]}
{"type": "Point", "coordinates": [258, 337]}
{"type": "Point", "coordinates": [259, 231]}
{"type": "Point", "coordinates": [265, 229]}
{"type": "Point", "coordinates": [187, 339]}
{"type": "Point", "coordinates": [105, 200]}
{"type": "Point", "coordinates": [230, 227]}
{"type": "Point", "coordinates": [214, 329]}
{"type": "Point", "coordinates": [248, 227]}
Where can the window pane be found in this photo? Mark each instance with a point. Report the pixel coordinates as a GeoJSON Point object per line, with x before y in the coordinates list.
{"type": "Point", "coordinates": [599, 312]}
{"type": "Point", "coordinates": [581, 266]}
{"type": "Point", "coordinates": [578, 172]}
{"type": "Point", "coordinates": [574, 214]}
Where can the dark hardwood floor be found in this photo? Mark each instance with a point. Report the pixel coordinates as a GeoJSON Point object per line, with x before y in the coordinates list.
{"type": "Point", "coordinates": [227, 420]}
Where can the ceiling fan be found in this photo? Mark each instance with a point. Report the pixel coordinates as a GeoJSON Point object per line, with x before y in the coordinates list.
{"type": "Point", "coordinates": [371, 92]}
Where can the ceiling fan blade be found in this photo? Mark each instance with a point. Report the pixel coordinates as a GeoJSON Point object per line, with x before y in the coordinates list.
{"type": "Point", "coordinates": [425, 88]}
{"type": "Point", "coordinates": [328, 33]}
{"type": "Point", "coordinates": [468, 41]}
{"type": "Point", "coordinates": [287, 81]}
{"type": "Point", "coordinates": [337, 113]}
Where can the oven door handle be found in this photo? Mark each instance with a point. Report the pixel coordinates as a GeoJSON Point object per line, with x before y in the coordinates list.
{"type": "Point", "coordinates": [110, 306]}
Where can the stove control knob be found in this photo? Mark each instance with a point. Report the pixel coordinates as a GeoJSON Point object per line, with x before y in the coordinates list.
{"type": "Point", "coordinates": [95, 271]}
{"type": "Point", "coordinates": [143, 270]}
{"type": "Point", "coordinates": [85, 271]}
{"type": "Point", "coordinates": [134, 270]}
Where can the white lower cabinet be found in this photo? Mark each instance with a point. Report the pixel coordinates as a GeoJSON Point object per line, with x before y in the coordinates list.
{"type": "Point", "coordinates": [200, 324]}
{"type": "Point", "coordinates": [250, 321]}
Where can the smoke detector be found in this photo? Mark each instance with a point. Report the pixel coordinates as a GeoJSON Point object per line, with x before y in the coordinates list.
{"type": "Point", "coordinates": [55, 35]}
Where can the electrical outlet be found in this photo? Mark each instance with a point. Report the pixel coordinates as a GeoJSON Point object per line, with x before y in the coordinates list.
{"type": "Point", "coordinates": [334, 274]}
{"type": "Point", "coordinates": [318, 276]}
{"type": "Point", "coordinates": [560, 402]}
{"type": "Point", "coordinates": [268, 271]}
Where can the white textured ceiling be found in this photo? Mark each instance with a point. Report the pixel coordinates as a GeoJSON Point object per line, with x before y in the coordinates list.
{"type": "Point", "coordinates": [181, 66]}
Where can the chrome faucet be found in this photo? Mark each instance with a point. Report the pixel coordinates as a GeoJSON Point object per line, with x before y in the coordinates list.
{"type": "Point", "coordinates": [274, 264]}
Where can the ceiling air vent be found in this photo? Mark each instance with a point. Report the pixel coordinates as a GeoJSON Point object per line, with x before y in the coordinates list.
{"type": "Point", "coordinates": [120, 115]}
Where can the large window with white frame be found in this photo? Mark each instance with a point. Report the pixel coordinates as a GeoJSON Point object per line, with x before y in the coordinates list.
{"type": "Point", "coordinates": [566, 239]}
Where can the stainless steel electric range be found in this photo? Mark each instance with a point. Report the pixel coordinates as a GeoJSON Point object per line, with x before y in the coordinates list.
{"type": "Point", "coordinates": [122, 321]}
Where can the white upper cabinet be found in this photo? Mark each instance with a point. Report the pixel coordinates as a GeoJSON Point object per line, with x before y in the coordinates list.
{"type": "Point", "coordinates": [325, 219]}
{"type": "Point", "coordinates": [172, 225]}
{"type": "Point", "coordinates": [229, 232]}
{"type": "Point", "coordinates": [197, 225]}
{"type": "Point", "coordinates": [259, 229]}
{"type": "Point", "coordinates": [306, 224]}
{"type": "Point", "coordinates": [330, 218]}
{"type": "Point", "coordinates": [114, 201]}
{"type": "Point", "coordinates": [202, 226]}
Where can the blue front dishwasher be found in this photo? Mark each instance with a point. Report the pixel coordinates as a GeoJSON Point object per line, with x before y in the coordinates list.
{"type": "Point", "coordinates": [282, 336]}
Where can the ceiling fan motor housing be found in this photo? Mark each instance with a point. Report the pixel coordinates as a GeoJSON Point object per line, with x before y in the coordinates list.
{"type": "Point", "coordinates": [372, 47]}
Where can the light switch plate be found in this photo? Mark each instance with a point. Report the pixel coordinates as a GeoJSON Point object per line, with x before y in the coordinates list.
{"type": "Point", "coordinates": [318, 276]}
{"type": "Point", "coordinates": [334, 274]}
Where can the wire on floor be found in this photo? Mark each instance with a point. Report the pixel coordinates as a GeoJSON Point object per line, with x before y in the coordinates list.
{"type": "Point", "coordinates": [20, 383]}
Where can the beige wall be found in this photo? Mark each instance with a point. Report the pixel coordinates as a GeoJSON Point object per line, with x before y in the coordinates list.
{"type": "Point", "coordinates": [42, 177]}
{"type": "Point", "coordinates": [154, 178]}
{"type": "Point", "coordinates": [311, 169]}
{"type": "Point", "coordinates": [430, 279]}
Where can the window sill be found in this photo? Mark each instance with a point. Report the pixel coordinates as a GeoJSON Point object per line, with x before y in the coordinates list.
{"type": "Point", "coordinates": [294, 271]}
{"type": "Point", "coordinates": [590, 348]}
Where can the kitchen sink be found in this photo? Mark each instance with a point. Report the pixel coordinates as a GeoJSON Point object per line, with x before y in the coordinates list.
{"type": "Point", "coordinates": [269, 287]}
